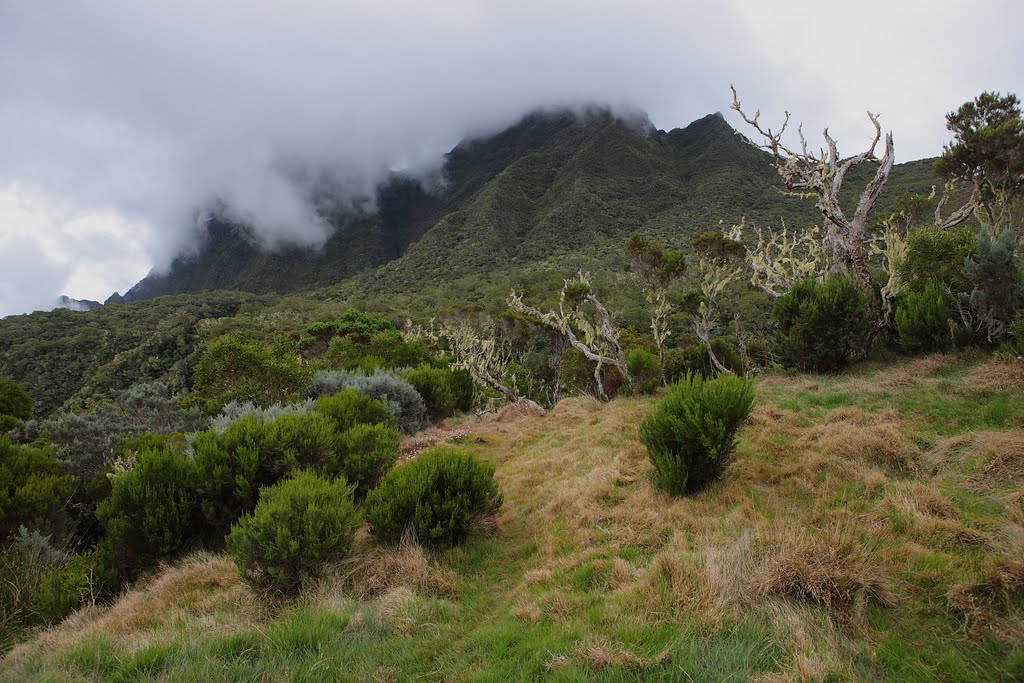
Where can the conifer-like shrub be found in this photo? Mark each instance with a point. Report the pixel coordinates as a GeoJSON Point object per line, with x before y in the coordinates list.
{"type": "Point", "coordinates": [300, 526]}
{"type": "Point", "coordinates": [234, 371]}
{"type": "Point", "coordinates": [823, 325]}
{"type": "Point", "coordinates": [152, 513]}
{"type": "Point", "coordinates": [367, 453]}
{"type": "Point", "coordinates": [692, 432]}
{"type": "Point", "coordinates": [644, 371]}
{"type": "Point", "coordinates": [437, 387]}
{"type": "Point", "coordinates": [923, 320]}
{"type": "Point", "coordinates": [349, 408]}
{"type": "Point", "coordinates": [439, 496]}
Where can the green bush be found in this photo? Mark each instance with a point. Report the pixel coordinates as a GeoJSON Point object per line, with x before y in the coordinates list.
{"type": "Point", "coordinates": [252, 453]}
{"type": "Point", "coordinates": [350, 408]}
{"type": "Point", "coordinates": [394, 392]}
{"type": "Point", "coordinates": [14, 402]}
{"type": "Point", "coordinates": [692, 431]}
{"type": "Point", "coordinates": [1016, 336]}
{"type": "Point", "coordinates": [464, 389]}
{"type": "Point", "coordinates": [937, 255]}
{"type": "Point", "coordinates": [368, 452]}
{"type": "Point", "coordinates": [300, 525]}
{"type": "Point", "coordinates": [644, 370]}
{"type": "Point", "coordinates": [385, 349]}
{"type": "Point", "coordinates": [152, 513]}
{"type": "Point", "coordinates": [33, 490]}
{"type": "Point", "coordinates": [923, 320]}
{"type": "Point", "coordinates": [694, 359]}
{"type": "Point", "coordinates": [233, 371]}
{"type": "Point", "coordinates": [823, 325]}
{"type": "Point", "coordinates": [437, 387]}
{"type": "Point", "coordinates": [439, 496]}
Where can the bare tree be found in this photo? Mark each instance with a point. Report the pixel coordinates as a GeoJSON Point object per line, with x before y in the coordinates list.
{"type": "Point", "coordinates": [821, 175]}
{"type": "Point", "coordinates": [584, 321]}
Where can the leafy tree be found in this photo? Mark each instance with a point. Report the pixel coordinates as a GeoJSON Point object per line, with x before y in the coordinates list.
{"type": "Point", "coordinates": [995, 274]}
{"type": "Point", "coordinates": [33, 490]}
{"type": "Point", "coordinates": [233, 371]}
{"type": "Point", "coordinates": [15, 403]}
{"type": "Point", "coordinates": [988, 152]}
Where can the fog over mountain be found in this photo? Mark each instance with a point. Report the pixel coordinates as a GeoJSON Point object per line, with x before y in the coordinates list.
{"type": "Point", "coordinates": [119, 119]}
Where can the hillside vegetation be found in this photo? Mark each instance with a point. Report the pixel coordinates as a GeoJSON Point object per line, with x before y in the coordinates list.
{"type": "Point", "coordinates": [871, 527]}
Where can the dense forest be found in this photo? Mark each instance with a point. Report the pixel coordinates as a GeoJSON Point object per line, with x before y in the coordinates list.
{"type": "Point", "coordinates": [602, 371]}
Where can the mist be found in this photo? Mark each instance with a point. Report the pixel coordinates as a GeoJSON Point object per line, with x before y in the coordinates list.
{"type": "Point", "coordinates": [119, 120]}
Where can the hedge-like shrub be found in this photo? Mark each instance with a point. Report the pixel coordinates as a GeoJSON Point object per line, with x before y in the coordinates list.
{"type": "Point", "coordinates": [923, 320]}
{"type": "Point", "coordinates": [644, 371]}
{"type": "Point", "coordinates": [439, 496]}
{"type": "Point", "coordinates": [152, 513]}
{"type": "Point", "coordinates": [437, 387]}
{"type": "Point", "coordinates": [349, 409]}
{"type": "Point", "coordinates": [233, 371]}
{"type": "Point", "coordinates": [33, 490]}
{"type": "Point", "coordinates": [300, 525]}
{"type": "Point", "coordinates": [823, 325]}
{"type": "Point", "coordinates": [692, 432]}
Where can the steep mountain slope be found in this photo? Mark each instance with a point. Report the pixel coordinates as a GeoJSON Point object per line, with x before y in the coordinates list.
{"type": "Point", "coordinates": [553, 184]}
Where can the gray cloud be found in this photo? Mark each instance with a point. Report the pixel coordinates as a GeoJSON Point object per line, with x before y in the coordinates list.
{"type": "Point", "coordinates": [149, 110]}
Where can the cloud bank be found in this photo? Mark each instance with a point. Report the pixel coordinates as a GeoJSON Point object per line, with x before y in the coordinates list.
{"type": "Point", "coordinates": [118, 119]}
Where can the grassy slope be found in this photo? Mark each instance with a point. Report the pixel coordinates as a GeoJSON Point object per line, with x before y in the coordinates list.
{"type": "Point", "coordinates": [863, 518]}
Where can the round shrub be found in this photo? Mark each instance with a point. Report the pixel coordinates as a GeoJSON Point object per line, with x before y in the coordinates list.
{"type": "Point", "coordinates": [300, 525]}
{"type": "Point", "coordinates": [464, 389]}
{"type": "Point", "coordinates": [923, 320]}
{"type": "Point", "coordinates": [439, 496]}
{"type": "Point", "coordinates": [437, 387]}
{"type": "Point", "coordinates": [644, 370]}
{"type": "Point", "coordinates": [692, 431]}
{"type": "Point", "coordinates": [14, 401]}
{"type": "Point", "coordinates": [349, 408]}
{"type": "Point", "coordinates": [152, 512]}
{"type": "Point", "coordinates": [822, 325]}
{"type": "Point", "coordinates": [367, 453]}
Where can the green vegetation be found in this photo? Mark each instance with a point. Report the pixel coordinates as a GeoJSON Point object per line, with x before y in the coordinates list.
{"type": "Point", "coordinates": [692, 432]}
{"type": "Point", "coordinates": [438, 497]}
{"type": "Point", "coordinates": [923, 320]}
{"type": "Point", "coordinates": [300, 525]}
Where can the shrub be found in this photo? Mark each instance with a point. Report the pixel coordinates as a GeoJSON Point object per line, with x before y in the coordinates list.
{"type": "Point", "coordinates": [923, 320]}
{"type": "Point", "coordinates": [349, 409]}
{"type": "Point", "coordinates": [464, 389]}
{"type": "Point", "coordinates": [439, 496]}
{"type": "Point", "coordinates": [822, 325]}
{"type": "Point", "coordinates": [692, 431]}
{"type": "Point", "coordinates": [299, 526]}
{"type": "Point", "coordinates": [385, 349]}
{"type": "Point", "coordinates": [14, 402]}
{"type": "Point", "coordinates": [694, 359]}
{"type": "Point", "coordinates": [233, 371]}
{"type": "Point", "coordinates": [645, 371]}
{"type": "Point", "coordinates": [152, 513]}
{"type": "Point", "coordinates": [937, 255]}
{"type": "Point", "coordinates": [33, 490]}
{"type": "Point", "coordinates": [1016, 336]}
{"type": "Point", "coordinates": [235, 411]}
{"type": "Point", "coordinates": [997, 289]}
{"type": "Point", "coordinates": [400, 397]}
{"type": "Point", "coordinates": [437, 387]}
{"type": "Point", "coordinates": [367, 453]}
{"type": "Point", "coordinates": [251, 454]}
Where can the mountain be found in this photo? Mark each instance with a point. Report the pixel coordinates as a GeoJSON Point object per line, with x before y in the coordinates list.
{"type": "Point", "coordinates": [64, 301]}
{"type": "Point", "coordinates": [555, 184]}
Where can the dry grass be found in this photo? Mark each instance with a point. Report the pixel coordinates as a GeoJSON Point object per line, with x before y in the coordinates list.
{"type": "Point", "coordinates": [998, 374]}
{"type": "Point", "coordinates": [596, 653]}
{"type": "Point", "coordinates": [373, 570]}
{"type": "Point", "coordinates": [202, 590]}
{"type": "Point", "coordinates": [988, 602]}
{"type": "Point", "coordinates": [999, 457]}
{"type": "Point", "coordinates": [853, 435]}
{"type": "Point", "coordinates": [833, 569]}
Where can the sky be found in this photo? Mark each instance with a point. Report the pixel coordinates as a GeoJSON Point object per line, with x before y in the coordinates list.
{"type": "Point", "coordinates": [120, 120]}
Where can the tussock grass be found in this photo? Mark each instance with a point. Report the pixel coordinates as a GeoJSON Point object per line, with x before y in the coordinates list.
{"type": "Point", "coordinates": [869, 528]}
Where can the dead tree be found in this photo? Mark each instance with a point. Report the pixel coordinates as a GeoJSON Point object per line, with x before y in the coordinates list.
{"type": "Point", "coordinates": [589, 332]}
{"type": "Point", "coordinates": [821, 175]}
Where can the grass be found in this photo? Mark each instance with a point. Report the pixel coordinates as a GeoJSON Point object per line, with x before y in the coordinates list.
{"type": "Point", "coordinates": [869, 528]}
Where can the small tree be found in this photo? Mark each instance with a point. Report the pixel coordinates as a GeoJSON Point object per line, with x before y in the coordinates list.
{"type": "Point", "coordinates": [720, 260]}
{"type": "Point", "coordinates": [821, 175]}
{"type": "Point", "coordinates": [657, 270]}
{"type": "Point", "coordinates": [584, 321]}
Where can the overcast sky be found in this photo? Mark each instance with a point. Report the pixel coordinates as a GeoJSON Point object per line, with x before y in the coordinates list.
{"type": "Point", "coordinates": [118, 117]}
